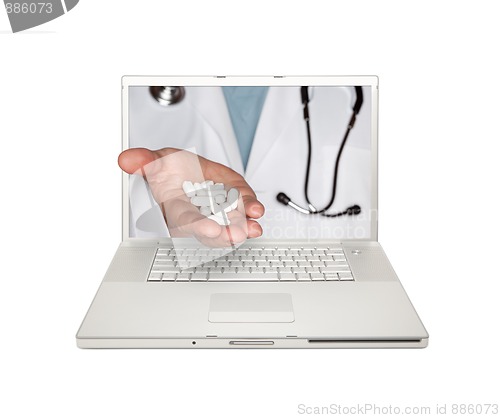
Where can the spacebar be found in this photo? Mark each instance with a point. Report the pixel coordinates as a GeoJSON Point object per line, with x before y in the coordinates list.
{"type": "Point", "coordinates": [236, 277]}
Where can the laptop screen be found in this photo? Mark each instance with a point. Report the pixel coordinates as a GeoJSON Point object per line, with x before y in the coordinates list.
{"type": "Point", "coordinates": [300, 159]}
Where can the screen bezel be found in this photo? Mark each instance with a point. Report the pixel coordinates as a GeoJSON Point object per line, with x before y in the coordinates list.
{"type": "Point", "coordinates": [370, 81]}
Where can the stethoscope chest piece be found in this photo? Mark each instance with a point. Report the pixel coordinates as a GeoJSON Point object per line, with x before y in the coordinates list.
{"type": "Point", "coordinates": [167, 95]}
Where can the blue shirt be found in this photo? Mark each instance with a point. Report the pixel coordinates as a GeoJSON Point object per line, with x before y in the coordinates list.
{"type": "Point", "coordinates": [245, 106]}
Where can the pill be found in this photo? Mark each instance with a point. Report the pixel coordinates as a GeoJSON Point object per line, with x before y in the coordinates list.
{"type": "Point", "coordinates": [232, 198]}
{"type": "Point", "coordinates": [205, 210]}
{"type": "Point", "coordinates": [212, 200]}
{"type": "Point", "coordinates": [211, 192]}
{"type": "Point", "coordinates": [226, 207]}
{"type": "Point", "coordinates": [232, 195]}
{"type": "Point", "coordinates": [214, 193]}
{"type": "Point", "coordinates": [218, 192]}
{"type": "Point", "coordinates": [188, 188]}
{"type": "Point", "coordinates": [213, 205]}
{"type": "Point", "coordinates": [201, 201]}
{"type": "Point", "coordinates": [202, 192]}
{"type": "Point", "coordinates": [216, 208]}
{"type": "Point", "coordinates": [231, 205]}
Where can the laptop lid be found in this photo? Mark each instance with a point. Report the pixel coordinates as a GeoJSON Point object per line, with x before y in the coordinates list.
{"type": "Point", "coordinates": [191, 113]}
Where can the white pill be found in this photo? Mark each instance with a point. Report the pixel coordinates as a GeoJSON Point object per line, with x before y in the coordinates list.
{"type": "Point", "coordinates": [212, 199]}
{"type": "Point", "coordinates": [220, 198]}
{"type": "Point", "coordinates": [234, 205]}
{"type": "Point", "coordinates": [205, 210]}
{"type": "Point", "coordinates": [211, 203]}
{"type": "Point", "coordinates": [202, 192]}
{"type": "Point", "coordinates": [218, 192]}
{"type": "Point", "coordinates": [216, 208]}
{"type": "Point", "coordinates": [233, 194]}
{"type": "Point", "coordinates": [201, 201]}
{"type": "Point", "coordinates": [226, 207]}
{"type": "Point", "coordinates": [232, 198]}
{"type": "Point", "coordinates": [188, 188]}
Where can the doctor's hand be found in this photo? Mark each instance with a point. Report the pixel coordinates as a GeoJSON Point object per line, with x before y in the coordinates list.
{"type": "Point", "coordinates": [166, 169]}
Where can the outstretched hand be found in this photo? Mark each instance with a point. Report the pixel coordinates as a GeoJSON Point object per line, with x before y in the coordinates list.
{"type": "Point", "coordinates": [166, 169]}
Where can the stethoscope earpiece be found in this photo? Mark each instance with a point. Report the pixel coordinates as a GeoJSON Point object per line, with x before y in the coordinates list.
{"type": "Point", "coordinates": [354, 210]}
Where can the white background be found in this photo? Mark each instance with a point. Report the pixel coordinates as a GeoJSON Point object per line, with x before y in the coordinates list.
{"type": "Point", "coordinates": [60, 205]}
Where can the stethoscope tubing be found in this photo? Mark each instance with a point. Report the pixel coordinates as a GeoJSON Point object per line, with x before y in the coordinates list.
{"type": "Point", "coordinates": [284, 199]}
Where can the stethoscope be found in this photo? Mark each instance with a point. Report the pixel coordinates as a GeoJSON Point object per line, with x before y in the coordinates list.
{"type": "Point", "coordinates": [312, 210]}
{"type": "Point", "coordinates": [169, 95]}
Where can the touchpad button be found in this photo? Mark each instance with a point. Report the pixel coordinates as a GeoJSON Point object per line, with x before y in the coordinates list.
{"type": "Point", "coordinates": [251, 307]}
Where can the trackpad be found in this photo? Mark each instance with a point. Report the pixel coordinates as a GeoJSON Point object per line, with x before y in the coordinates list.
{"type": "Point", "coordinates": [251, 307]}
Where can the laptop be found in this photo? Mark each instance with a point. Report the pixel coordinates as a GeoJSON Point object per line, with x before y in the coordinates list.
{"type": "Point", "coordinates": [311, 275]}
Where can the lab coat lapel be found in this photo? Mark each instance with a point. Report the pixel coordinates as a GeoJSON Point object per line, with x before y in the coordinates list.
{"type": "Point", "coordinates": [211, 104]}
{"type": "Point", "coordinates": [281, 106]}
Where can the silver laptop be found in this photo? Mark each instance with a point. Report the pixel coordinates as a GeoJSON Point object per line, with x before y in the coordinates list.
{"type": "Point", "coordinates": [292, 261]}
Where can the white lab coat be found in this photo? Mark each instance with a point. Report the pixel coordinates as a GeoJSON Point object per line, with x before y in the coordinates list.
{"type": "Point", "coordinates": [277, 160]}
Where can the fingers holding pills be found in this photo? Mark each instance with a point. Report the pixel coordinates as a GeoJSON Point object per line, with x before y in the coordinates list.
{"type": "Point", "coordinates": [222, 205]}
{"type": "Point", "coordinates": [227, 207]}
{"type": "Point", "coordinates": [198, 197]}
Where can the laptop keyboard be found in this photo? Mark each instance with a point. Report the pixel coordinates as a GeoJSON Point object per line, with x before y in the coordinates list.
{"type": "Point", "coordinates": [286, 264]}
